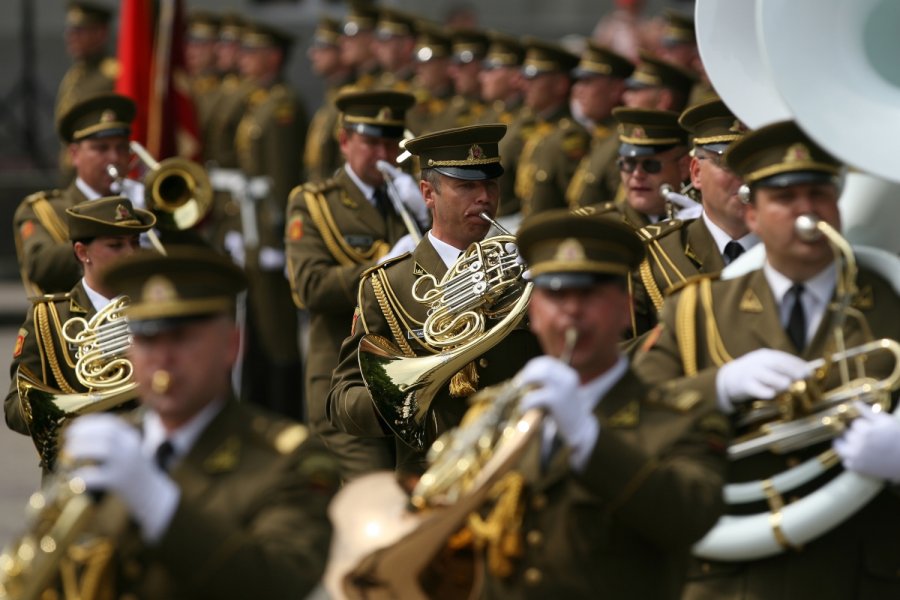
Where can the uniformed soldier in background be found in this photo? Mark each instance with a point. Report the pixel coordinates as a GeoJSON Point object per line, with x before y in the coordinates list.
{"type": "Point", "coordinates": [599, 86]}
{"type": "Point", "coordinates": [395, 40]}
{"type": "Point", "coordinates": [200, 62]}
{"type": "Point", "coordinates": [459, 181]}
{"type": "Point", "coordinates": [678, 45]}
{"type": "Point", "coordinates": [433, 84]}
{"type": "Point", "coordinates": [469, 48]}
{"type": "Point", "coordinates": [357, 39]}
{"type": "Point", "coordinates": [653, 151]}
{"type": "Point", "coordinates": [501, 80]}
{"type": "Point", "coordinates": [748, 338]}
{"type": "Point", "coordinates": [269, 143]}
{"type": "Point", "coordinates": [93, 70]}
{"type": "Point", "coordinates": [659, 84]}
{"type": "Point", "coordinates": [617, 484]}
{"type": "Point", "coordinates": [322, 156]}
{"type": "Point", "coordinates": [337, 229]}
{"type": "Point", "coordinates": [216, 499]}
{"type": "Point", "coordinates": [548, 82]}
{"type": "Point", "coordinates": [100, 233]}
{"type": "Point", "coordinates": [679, 250]}
{"type": "Point", "coordinates": [96, 133]}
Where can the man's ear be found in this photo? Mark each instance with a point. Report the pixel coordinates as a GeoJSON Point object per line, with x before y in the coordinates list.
{"type": "Point", "coordinates": [695, 173]}
{"type": "Point", "coordinates": [428, 193]}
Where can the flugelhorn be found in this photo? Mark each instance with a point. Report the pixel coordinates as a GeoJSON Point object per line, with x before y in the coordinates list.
{"type": "Point", "coordinates": [484, 283]}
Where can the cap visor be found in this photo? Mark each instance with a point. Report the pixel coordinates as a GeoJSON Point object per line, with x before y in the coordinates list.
{"type": "Point", "coordinates": [474, 173]}
{"type": "Point", "coordinates": [795, 178]}
{"type": "Point", "coordinates": [561, 281]}
{"type": "Point", "coordinates": [151, 327]}
{"type": "Point", "coordinates": [636, 150]}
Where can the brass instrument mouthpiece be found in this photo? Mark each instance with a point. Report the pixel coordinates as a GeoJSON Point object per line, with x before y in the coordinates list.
{"type": "Point", "coordinates": [807, 227]}
{"type": "Point", "coordinates": [160, 381]}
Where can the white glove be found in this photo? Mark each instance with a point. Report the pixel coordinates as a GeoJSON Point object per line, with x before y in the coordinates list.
{"type": "Point", "coordinates": [760, 374]}
{"type": "Point", "coordinates": [558, 385]}
{"type": "Point", "coordinates": [402, 246]}
{"type": "Point", "coordinates": [234, 245]}
{"type": "Point", "coordinates": [112, 450]}
{"type": "Point", "coordinates": [871, 446]}
{"type": "Point", "coordinates": [510, 248]}
{"type": "Point", "coordinates": [407, 190]}
{"type": "Point", "coordinates": [271, 259]}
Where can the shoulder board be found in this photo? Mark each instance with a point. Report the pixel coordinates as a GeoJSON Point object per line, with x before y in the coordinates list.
{"type": "Point", "coordinates": [596, 209]}
{"type": "Point", "coordinates": [281, 435]}
{"type": "Point", "coordinates": [690, 281]}
{"type": "Point", "coordinates": [656, 231]}
{"type": "Point", "coordinates": [279, 90]}
{"type": "Point", "coordinates": [317, 187]}
{"type": "Point", "coordinates": [681, 401]}
{"type": "Point", "coordinates": [50, 298]}
{"type": "Point", "coordinates": [43, 195]}
{"type": "Point", "coordinates": [384, 264]}
{"type": "Point", "coordinates": [110, 68]}
{"type": "Point", "coordinates": [258, 96]}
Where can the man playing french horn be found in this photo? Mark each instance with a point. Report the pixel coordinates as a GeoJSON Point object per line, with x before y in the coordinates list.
{"type": "Point", "coordinates": [619, 482]}
{"type": "Point", "coordinates": [460, 171]}
{"type": "Point", "coordinates": [101, 233]}
{"type": "Point", "coordinates": [748, 338]}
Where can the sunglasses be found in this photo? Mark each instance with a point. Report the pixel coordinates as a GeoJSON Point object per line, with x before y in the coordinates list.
{"type": "Point", "coordinates": [650, 166]}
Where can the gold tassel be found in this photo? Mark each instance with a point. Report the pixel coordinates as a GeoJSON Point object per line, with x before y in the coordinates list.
{"type": "Point", "coordinates": [500, 532]}
{"type": "Point", "coordinates": [465, 382]}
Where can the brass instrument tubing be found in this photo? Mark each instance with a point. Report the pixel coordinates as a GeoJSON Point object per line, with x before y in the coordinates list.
{"type": "Point", "coordinates": [498, 226]}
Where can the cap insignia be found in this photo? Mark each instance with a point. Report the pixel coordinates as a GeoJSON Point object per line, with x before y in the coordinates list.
{"type": "Point", "coordinates": [570, 250]}
{"type": "Point", "coordinates": [738, 127]}
{"type": "Point", "coordinates": [384, 114]}
{"type": "Point", "coordinates": [639, 133]}
{"type": "Point", "coordinates": [122, 213]}
{"type": "Point", "coordinates": [796, 153]}
{"type": "Point", "coordinates": [159, 289]}
{"type": "Point", "coordinates": [107, 116]}
{"type": "Point", "coordinates": [475, 152]}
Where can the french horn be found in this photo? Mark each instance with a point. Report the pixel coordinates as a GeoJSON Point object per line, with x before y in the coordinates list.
{"type": "Point", "coordinates": [484, 283]}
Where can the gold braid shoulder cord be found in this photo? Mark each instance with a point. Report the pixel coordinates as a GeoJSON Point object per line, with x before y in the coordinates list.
{"type": "Point", "coordinates": [686, 327]}
{"type": "Point", "coordinates": [46, 347]}
{"type": "Point", "coordinates": [344, 253]}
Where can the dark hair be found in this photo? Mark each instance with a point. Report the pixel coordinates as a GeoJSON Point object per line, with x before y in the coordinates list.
{"type": "Point", "coordinates": [433, 177]}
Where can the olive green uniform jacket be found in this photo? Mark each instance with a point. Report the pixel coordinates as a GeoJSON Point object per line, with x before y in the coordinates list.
{"type": "Point", "coordinates": [43, 249]}
{"type": "Point", "coordinates": [427, 114]}
{"type": "Point", "coordinates": [322, 155]}
{"type": "Point", "coordinates": [269, 142]}
{"type": "Point", "coordinates": [387, 308]}
{"type": "Point", "coordinates": [597, 178]}
{"type": "Point", "coordinates": [42, 351]}
{"type": "Point", "coordinates": [251, 521]}
{"type": "Point", "coordinates": [333, 234]}
{"type": "Point", "coordinates": [520, 130]}
{"type": "Point", "coordinates": [555, 159]}
{"type": "Point", "coordinates": [623, 527]}
{"type": "Point", "coordinates": [861, 557]}
{"type": "Point", "coordinates": [676, 251]}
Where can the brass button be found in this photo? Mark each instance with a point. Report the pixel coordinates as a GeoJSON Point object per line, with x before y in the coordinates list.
{"type": "Point", "coordinates": [539, 502]}
{"type": "Point", "coordinates": [541, 176]}
{"type": "Point", "coordinates": [132, 569]}
{"type": "Point", "coordinates": [483, 362]}
{"type": "Point", "coordinates": [590, 178]}
{"type": "Point", "coordinates": [706, 567]}
{"type": "Point", "coordinates": [792, 461]}
{"type": "Point", "coordinates": [533, 576]}
{"type": "Point", "coordinates": [232, 209]}
{"type": "Point", "coordinates": [534, 538]}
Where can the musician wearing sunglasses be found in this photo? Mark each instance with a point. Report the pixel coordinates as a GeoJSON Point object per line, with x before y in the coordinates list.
{"type": "Point", "coordinates": [652, 152]}
{"type": "Point", "coordinates": [101, 232]}
{"type": "Point", "coordinates": [617, 484]}
{"type": "Point", "coordinates": [746, 339]}
{"type": "Point", "coordinates": [337, 229]}
{"type": "Point", "coordinates": [680, 249]}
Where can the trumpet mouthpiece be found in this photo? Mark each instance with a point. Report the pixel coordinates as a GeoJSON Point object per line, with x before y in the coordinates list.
{"type": "Point", "coordinates": [807, 227]}
{"type": "Point", "coordinates": [160, 381]}
{"type": "Point", "coordinates": [665, 189]}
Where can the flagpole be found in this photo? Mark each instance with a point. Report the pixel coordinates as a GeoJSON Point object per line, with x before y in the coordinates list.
{"type": "Point", "coordinates": [161, 76]}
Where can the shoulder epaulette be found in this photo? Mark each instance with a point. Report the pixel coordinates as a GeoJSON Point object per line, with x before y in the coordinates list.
{"type": "Point", "coordinates": [384, 264]}
{"type": "Point", "coordinates": [43, 195]}
{"type": "Point", "coordinates": [596, 209]}
{"type": "Point", "coordinates": [50, 297]}
{"type": "Point", "coordinates": [110, 68]}
{"type": "Point", "coordinates": [281, 435]}
{"type": "Point", "coordinates": [318, 187]}
{"type": "Point", "coordinates": [648, 233]}
{"type": "Point", "coordinates": [690, 281]}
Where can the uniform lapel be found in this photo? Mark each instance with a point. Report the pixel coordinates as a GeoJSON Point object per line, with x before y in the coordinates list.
{"type": "Point", "coordinates": [365, 216]}
{"type": "Point", "coordinates": [427, 260]}
{"type": "Point", "coordinates": [80, 303]}
{"type": "Point", "coordinates": [702, 249]}
{"type": "Point", "coordinates": [764, 323]}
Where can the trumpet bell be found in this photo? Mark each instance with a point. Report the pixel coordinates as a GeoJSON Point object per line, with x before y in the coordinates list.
{"type": "Point", "coordinates": [179, 192]}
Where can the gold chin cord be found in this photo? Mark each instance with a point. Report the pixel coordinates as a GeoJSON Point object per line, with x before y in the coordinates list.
{"type": "Point", "coordinates": [385, 538]}
{"type": "Point", "coordinates": [101, 367]}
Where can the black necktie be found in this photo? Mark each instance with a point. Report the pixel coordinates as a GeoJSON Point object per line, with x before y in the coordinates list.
{"type": "Point", "coordinates": [164, 455]}
{"type": "Point", "coordinates": [732, 251]}
{"type": "Point", "coordinates": [796, 326]}
{"type": "Point", "coordinates": [382, 202]}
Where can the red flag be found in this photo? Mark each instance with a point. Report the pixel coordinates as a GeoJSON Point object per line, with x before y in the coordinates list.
{"type": "Point", "coordinates": [153, 74]}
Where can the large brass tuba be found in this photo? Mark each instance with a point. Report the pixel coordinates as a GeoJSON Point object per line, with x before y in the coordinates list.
{"type": "Point", "coordinates": [100, 366]}
{"type": "Point", "coordinates": [484, 283]}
